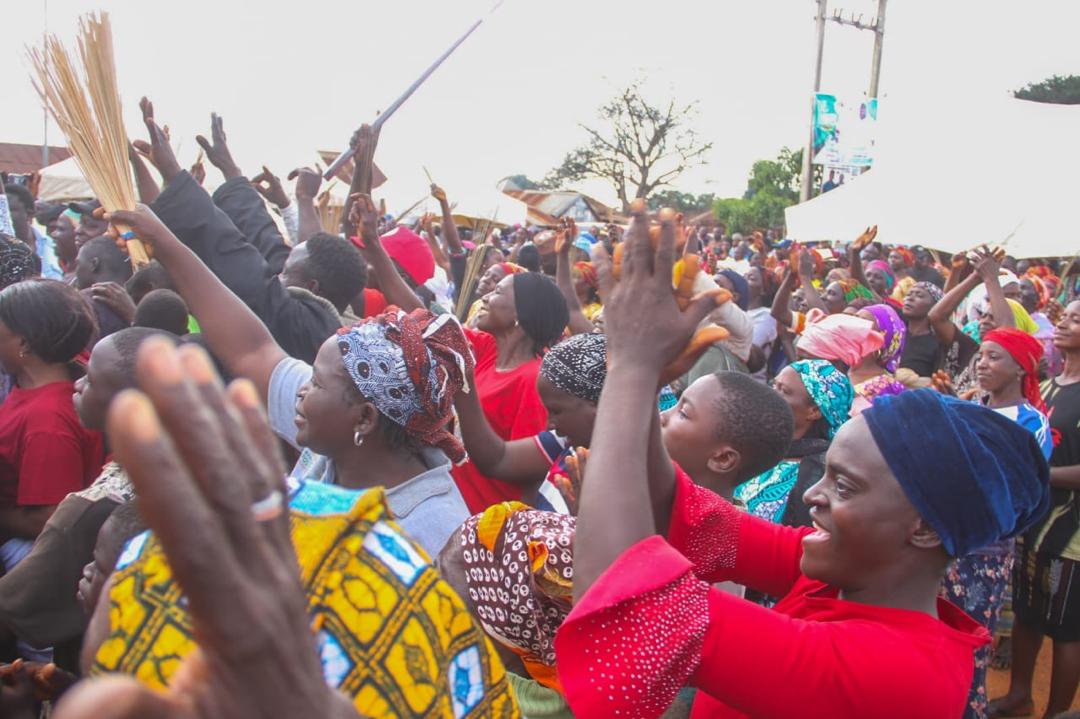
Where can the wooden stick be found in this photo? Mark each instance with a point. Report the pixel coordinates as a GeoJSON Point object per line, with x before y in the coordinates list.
{"type": "Point", "coordinates": [384, 116]}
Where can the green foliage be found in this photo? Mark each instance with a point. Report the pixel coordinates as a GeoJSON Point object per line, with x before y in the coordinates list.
{"type": "Point", "coordinates": [686, 202]}
{"type": "Point", "coordinates": [522, 182]}
{"type": "Point", "coordinates": [773, 186]}
{"type": "Point", "coordinates": [1057, 90]}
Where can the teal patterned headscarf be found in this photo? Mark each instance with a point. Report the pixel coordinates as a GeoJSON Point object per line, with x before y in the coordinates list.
{"type": "Point", "coordinates": [830, 389]}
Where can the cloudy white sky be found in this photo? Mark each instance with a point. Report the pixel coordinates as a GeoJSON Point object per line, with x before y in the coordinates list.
{"type": "Point", "coordinates": [290, 78]}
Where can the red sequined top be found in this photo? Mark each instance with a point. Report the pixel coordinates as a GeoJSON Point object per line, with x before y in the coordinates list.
{"type": "Point", "coordinates": [653, 624]}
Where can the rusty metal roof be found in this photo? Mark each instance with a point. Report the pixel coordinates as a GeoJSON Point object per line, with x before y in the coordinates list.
{"type": "Point", "coordinates": [24, 159]}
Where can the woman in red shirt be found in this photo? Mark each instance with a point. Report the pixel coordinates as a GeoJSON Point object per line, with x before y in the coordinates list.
{"type": "Point", "coordinates": [915, 481]}
{"type": "Point", "coordinates": [518, 320]}
{"type": "Point", "coordinates": [45, 453]}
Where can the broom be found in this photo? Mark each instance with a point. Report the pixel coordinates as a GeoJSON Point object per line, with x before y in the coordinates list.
{"type": "Point", "coordinates": [87, 109]}
{"type": "Point", "coordinates": [330, 212]}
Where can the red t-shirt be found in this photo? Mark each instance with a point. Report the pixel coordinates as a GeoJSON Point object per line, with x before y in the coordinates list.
{"type": "Point", "coordinates": [514, 410]}
{"type": "Point", "coordinates": [45, 453]}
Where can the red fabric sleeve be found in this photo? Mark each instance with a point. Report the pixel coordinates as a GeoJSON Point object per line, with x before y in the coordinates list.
{"type": "Point", "coordinates": [50, 468]}
{"type": "Point", "coordinates": [726, 544]}
{"type": "Point", "coordinates": [635, 638]}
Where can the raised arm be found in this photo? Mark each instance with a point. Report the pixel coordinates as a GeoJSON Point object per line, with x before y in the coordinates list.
{"type": "Point", "coordinates": [242, 202]}
{"type": "Point", "coordinates": [855, 255]}
{"type": "Point", "coordinates": [806, 278]}
{"type": "Point", "coordinates": [449, 229]}
{"type": "Point", "coordinates": [989, 269]}
{"type": "Point", "coordinates": [363, 215]}
{"type": "Point", "coordinates": [781, 306]}
{"type": "Point", "coordinates": [579, 323]}
{"type": "Point", "coordinates": [145, 184]}
{"type": "Point", "coordinates": [518, 461]}
{"type": "Point", "coordinates": [941, 313]}
{"type": "Point", "coordinates": [234, 333]}
{"type": "Point", "coordinates": [299, 326]}
{"type": "Point", "coordinates": [646, 330]}
{"type": "Point", "coordinates": [427, 231]}
{"type": "Point", "coordinates": [308, 182]}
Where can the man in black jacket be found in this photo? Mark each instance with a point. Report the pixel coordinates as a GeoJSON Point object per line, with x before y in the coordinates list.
{"type": "Point", "coordinates": [299, 320]}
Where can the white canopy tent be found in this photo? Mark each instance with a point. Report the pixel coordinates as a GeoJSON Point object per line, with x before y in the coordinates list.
{"type": "Point", "coordinates": [998, 171]}
{"type": "Point", "coordinates": [64, 182]}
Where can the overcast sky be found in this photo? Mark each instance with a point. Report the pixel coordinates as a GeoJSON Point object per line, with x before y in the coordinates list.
{"type": "Point", "coordinates": [291, 78]}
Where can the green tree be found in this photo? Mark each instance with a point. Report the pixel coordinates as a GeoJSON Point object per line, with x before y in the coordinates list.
{"type": "Point", "coordinates": [685, 202]}
{"type": "Point", "coordinates": [522, 182]}
{"type": "Point", "coordinates": [1058, 90]}
{"type": "Point", "coordinates": [772, 187]}
{"type": "Point", "coordinates": [639, 148]}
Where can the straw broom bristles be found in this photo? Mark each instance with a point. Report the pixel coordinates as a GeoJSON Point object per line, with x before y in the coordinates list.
{"type": "Point", "coordinates": [330, 213]}
{"type": "Point", "coordinates": [88, 112]}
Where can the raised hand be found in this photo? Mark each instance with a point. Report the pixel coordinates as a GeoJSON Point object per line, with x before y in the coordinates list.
{"type": "Point", "coordinates": [642, 319]}
{"type": "Point", "coordinates": [269, 186]}
{"type": "Point", "coordinates": [143, 224]}
{"type": "Point", "coordinates": [987, 264]}
{"type": "Point", "coordinates": [217, 152]}
{"type": "Point", "coordinates": [865, 238]}
{"type": "Point", "coordinates": [198, 170]}
{"type": "Point", "coordinates": [158, 151]}
{"type": "Point", "coordinates": [565, 236]}
{"type": "Point", "coordinates": [365, 217]}
{"type": "Point", "coordinates": [941, 382]}
{"type": "Point", "coordinates": [200, 457]}
{"type": "Point", "coordinates": [116, 298]}
{"type": "Point", "coordinates": [308, 182]}
{"type": "Point", "coordinates": [438, 193]}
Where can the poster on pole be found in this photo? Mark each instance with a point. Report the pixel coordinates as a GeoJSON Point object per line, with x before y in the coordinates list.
{"type": "Point", "coordinates": [844, 132]}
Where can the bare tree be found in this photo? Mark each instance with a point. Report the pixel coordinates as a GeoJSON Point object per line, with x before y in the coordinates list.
{"type": "Point", "coordinates": [642, 147]}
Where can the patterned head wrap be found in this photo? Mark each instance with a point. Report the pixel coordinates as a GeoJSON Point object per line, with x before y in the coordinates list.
{"type": "Point", "coordinates": [893, 330]}
{"type": "Point", "coordinates": [935, 292]}
{"type": "Point", "coordinates": [410, 366]}
{"type": "Point", "coordinates": [853, 289]}
{"type": "Point", "coordinates": [883, 267]}
{"type": "Point", "coordinates": [16, 262]}
{"type": "Point", "coordinates": [830, 389]}
{"type": "Point", "coordinates": [520, 571]}
{"type": "Point", "coordinates": [578, 366]}
{"type": "Point", "coordinates": [587, 272]}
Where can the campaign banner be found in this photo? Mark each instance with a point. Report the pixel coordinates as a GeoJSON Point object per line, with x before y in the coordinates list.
{"type": "Point", "coordinates": [844, 132]}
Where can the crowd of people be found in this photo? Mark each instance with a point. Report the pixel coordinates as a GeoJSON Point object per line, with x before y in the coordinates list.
{"type": "Point", "coordinates": [641, 469]}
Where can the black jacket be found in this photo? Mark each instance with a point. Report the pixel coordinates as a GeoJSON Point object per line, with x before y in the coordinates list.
{"type": "Point", "coordinates": [299, 322]}
{"type": "Point", "coordinates": [247, 210]}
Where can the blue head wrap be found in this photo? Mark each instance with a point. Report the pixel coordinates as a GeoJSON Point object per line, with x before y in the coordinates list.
{"type": "Point", "coordinates": [975, 476]}
{"type": "Point", "coordinates": [830, 389]}
{"type": "Point", "coordinates": [585, 242]}
{"type": "Point", "coordinates": [740, 285]}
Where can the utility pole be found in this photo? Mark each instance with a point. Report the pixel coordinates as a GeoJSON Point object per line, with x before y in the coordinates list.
{"type": "Point", "coordinates": [878, 27]}
{"type": "Point", "coordinates": [44, 109]}
{"type": "Point", "coordinates": [879, 40]}
{"type": "Point", "coordinates": [807, 164]}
